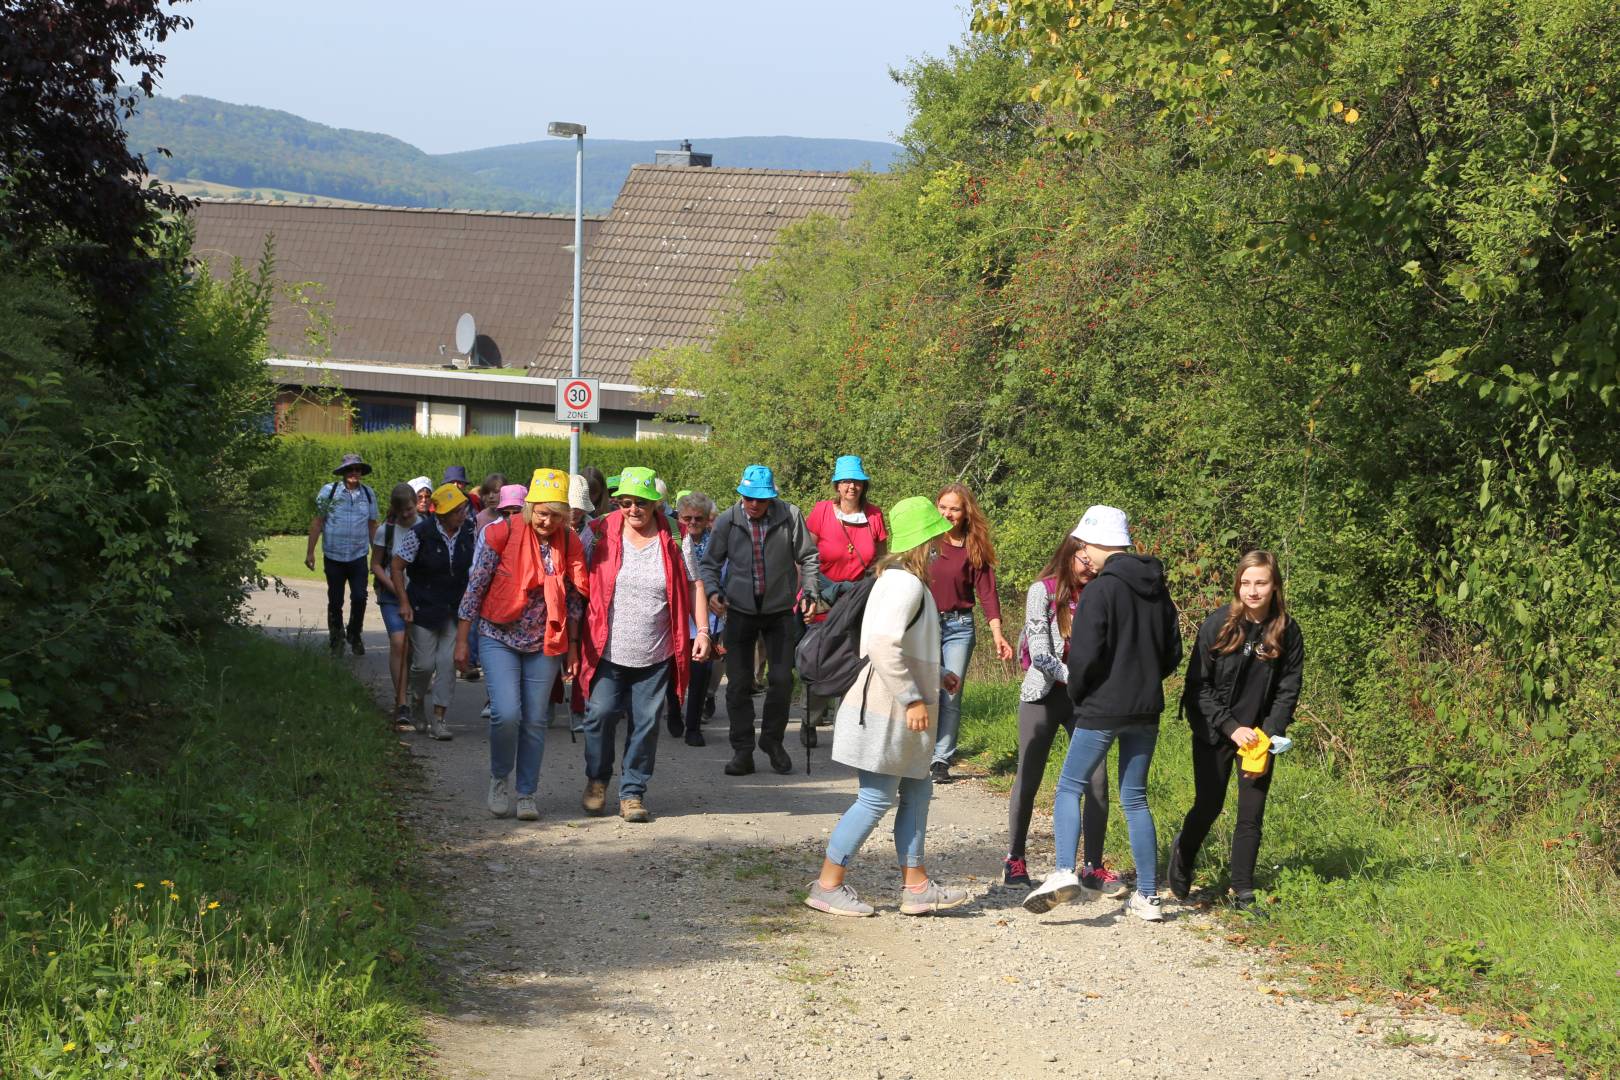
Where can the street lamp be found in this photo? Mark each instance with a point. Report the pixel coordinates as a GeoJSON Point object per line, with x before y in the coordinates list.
{"type": "Point", "coordinates": [564, 130]}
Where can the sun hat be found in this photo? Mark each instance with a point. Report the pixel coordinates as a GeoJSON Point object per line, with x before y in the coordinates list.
{"type": "Point", "coordinates": [915, 521]}
{"type": "Point", "coordinates": [420, 482]}
{"type": "Point", "coordinates": [757, 483]}
{"type": "Point", "coordinates": [681, 494]}
{"type": "Point", "coordinates": [446, 498]}
{"type": "Point", "coordinates": [351, 461]}
{"type": "Point", "coordinates": [548, 486]}
{"type": "Point", "coordinates": [579, 494]}
{"type": "Point", "coordinates": [613, 484]}
{"type": "Point", "coordinates": [663, 488]}
{"type": "Point", "coordinates": [455, 474]}
{"type": "Point", "coordinates": [639, 483]}
{"type": "Point", "coordinates": [849, 467]}
{"type": "Point", "coordinates": [511, 495]}
{"type": "Point", "coordinates": [1103, 526]}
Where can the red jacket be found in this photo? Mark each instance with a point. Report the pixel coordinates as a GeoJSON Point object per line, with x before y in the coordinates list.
{"type": "Point", "coordinates": [607, 556]}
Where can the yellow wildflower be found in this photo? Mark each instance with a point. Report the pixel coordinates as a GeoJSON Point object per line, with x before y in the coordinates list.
{"type": "Point", "coordinates": [140, 884]}
{"type": "Point", "coordinates": [69, 1047]}
{"type": "Point", "coordinates": [212, 904]}
{"type": "Point", "coordinates": [174, 896]}
{"type": "Point", "coordinates": [166, 883]}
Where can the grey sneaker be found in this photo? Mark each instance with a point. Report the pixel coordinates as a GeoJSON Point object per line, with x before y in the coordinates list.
{"type": "Point", "coordinates": [500, 802]}
{"type": "Point", "coordinates": [839, 901]}
{"type": "Point", "coordinates": [526, 810]}
{"type": "Point", "coordinates": [440, 729]}
{"type": "Point", "coordinates": [935, 897]}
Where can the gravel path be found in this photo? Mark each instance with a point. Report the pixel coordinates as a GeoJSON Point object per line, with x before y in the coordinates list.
{"type": "Point", "coordinates": [586, 947]}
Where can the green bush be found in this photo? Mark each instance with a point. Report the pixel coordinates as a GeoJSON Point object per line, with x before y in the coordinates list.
{"type": "Point", "coordinates": [301, 464]}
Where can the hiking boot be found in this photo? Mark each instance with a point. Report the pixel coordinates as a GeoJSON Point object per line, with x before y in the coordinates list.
{"type": "Point", "coordinates": [1145, 908]}
{"type": "Point", "coordinates": [708, 707]}
{"type": "Point", "coordinates": [781, 760]}
{"type": "Point", "coordinates": [940, 772]}
{"type": "Point", "coordinates": [741, 763]}
{"type": "Point", "coordinates": [694, 737]}
{"type": "Point", "coordinates": [839, 901]}
{"type": "Point", "coordinates": [933, 897]}
{"type": "Point", "coordinates": [357, 646]}
{"type": "Point", "coordinates": [526, 810]}
{"type": "Point", "coordinates": [595, 797]}
{"type": "Point", "coordinates": [1178, 875]}
{"type": "Point", "coordinates": [500, 800]}
{"type": "Point", "coordinates": [1105, 881]}
{"type": "Point", "coordinates": [1245, 902]}
{"type": "Point", "coordinates": [1014, 871]}
{"type": "Point", "coordinates": [807, 734]}
{"type": "Point", "coordinates": [1060, 887]}
{"type": "Point", "coordinates": [631, 809]}
{"type": "Point", "coordinates": [440, 729]}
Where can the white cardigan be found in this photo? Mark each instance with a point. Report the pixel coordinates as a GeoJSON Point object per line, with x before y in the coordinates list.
{"type": "Point", "coordinates": [903, 667]}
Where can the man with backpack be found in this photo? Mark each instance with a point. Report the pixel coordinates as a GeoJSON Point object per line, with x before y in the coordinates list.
{"type": "Point", "coordinates": [771, 557]}
{"type": "Point", "coordinates": [345, 517]}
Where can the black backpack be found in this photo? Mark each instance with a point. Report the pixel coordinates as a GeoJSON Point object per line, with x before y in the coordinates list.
{"type": "Point", "coordinates": [828, 656]}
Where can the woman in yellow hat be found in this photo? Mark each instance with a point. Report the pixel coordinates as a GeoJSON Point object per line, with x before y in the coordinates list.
{"type": "Point", "coordinates": [439, 552]}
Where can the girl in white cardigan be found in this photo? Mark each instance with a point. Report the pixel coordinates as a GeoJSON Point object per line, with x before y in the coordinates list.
{"type": "Point", "coordinates": [886, 723]}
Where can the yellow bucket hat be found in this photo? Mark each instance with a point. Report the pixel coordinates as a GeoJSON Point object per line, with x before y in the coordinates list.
{"type": "Point", "coordinates": [446, 497]}
{"type": "Point", "coordinates": [548, 486]}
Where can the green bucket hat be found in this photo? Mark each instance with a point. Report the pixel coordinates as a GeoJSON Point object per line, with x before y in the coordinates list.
{"type": "Point", "coordinates": [914, 521]}
{"type": "Point", "coordinates": [637, 483]}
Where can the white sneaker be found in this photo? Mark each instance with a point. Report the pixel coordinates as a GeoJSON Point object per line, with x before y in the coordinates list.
{"type": "Point", "coordinates": [440, 730]}
{"type": "Point", "coordinates": [1060, 887]}
{"type": "Point", "coordinates": [489, 711]}
{"type": "Point", "coordinates": [1145, 908]}
{"type": "Point", "coordinates": [499, 799]}
{"type": "Point", "coordinates": [526, 810]}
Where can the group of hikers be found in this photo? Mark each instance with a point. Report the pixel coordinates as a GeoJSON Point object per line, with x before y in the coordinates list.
{"type": "Point", "coordinates": [607, 585]}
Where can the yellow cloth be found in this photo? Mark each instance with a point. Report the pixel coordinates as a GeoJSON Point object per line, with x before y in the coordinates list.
{"type": "Point", "coordinates": [548, 486]}
{"type": "Point", "coordinates": [1256, 757]}
{"type": "Point", "coordinates": [446, 497]}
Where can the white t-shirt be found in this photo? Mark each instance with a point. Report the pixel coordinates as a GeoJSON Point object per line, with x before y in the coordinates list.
{"type": "Point", "coordinates": [638, 623]}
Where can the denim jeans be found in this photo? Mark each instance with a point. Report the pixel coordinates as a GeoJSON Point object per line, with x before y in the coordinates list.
{"type": "Point", "coordinates": [519, 686]}
{"type": "Point", "coordinates": [352, 573]}
{"type": "Point", "coordinates": [1088, 749]}
{"type": "Point", "coordinates": [956, 647]}
{"type": "Point", "coordinates": [877, 794]}
{"type": "Point", "coordinates": [615, 691]}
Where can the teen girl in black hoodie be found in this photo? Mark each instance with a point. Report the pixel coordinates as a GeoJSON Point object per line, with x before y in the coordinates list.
{"type": "Point", "coordinates": [1243, 677]}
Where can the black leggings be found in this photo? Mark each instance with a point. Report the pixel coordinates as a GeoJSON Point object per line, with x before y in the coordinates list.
{"type": "Point", "coordinates": [1212, 768]}
{"type": "Point", "coordinates": [1038, 723]}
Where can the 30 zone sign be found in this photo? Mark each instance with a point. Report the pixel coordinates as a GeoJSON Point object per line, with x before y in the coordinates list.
{"type": "Point", "coordinates": [579, 401]}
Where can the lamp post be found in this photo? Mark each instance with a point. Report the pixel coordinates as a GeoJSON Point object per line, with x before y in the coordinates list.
{"type": "Point", "coordinates": [563, 129]}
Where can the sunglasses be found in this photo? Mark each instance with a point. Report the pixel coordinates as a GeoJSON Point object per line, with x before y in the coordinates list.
{"type": "Point", "coordinates": [633, 504]}
{"type": "Point", "coordinates": [508, 511]}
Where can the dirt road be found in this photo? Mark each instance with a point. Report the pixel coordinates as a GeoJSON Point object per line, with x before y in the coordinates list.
{"type": "Point", "coordinates": [586, 947]}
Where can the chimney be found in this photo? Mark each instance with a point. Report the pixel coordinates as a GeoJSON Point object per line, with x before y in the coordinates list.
{"type": "Point", "coordinates": [684, 156]}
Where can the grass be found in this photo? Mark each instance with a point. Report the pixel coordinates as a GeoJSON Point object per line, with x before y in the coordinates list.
{"type": "Point", "coordinates": [1376, 894]}
{"type": "Point", "coordinates": [284, 558]}
{"type": "Point", "coordinates": [228, 894]}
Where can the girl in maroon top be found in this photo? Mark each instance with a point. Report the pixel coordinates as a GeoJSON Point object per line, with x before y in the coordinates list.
{"type": "Point", "coordinates": [964, 571]}
{"type": "Point", "coordinates": [850, 536]}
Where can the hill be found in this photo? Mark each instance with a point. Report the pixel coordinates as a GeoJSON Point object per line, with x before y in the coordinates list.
{"type": "Point", "coordinates": [216, 143]}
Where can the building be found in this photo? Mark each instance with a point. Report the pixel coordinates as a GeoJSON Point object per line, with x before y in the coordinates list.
{"type": "Point", "coordinates": [387, 285]}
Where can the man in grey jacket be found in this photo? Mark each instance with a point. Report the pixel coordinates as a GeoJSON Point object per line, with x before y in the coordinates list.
{"type": "Point", "coordinates": [760, 555]}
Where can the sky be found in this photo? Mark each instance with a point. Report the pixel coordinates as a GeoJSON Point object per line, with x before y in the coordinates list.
{"type": "Point", "coordinates": [475, 73]}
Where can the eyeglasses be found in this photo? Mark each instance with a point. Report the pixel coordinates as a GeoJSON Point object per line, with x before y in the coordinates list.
{"type": "Point", "coordinates": [693, 519]}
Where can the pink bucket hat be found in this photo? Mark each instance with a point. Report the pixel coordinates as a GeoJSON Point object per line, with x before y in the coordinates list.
{"type": "Point", "coordinates": [512, 497]}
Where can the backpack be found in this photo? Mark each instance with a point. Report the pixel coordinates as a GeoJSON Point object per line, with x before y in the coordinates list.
{"type": "Point", "coordinates": [828, 656]}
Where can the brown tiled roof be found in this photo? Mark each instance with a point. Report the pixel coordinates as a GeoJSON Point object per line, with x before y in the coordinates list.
{"type": "Point", "coordinates": [671, 248]}
{"type": "Point", "coordinates": [397, 279]}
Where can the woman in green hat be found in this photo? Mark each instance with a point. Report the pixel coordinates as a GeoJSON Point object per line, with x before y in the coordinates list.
{"type": "Point", "coordinates": [886, 723]}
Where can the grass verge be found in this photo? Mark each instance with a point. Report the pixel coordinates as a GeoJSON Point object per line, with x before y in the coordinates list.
{"type": "Point", "coordinates": [284, 558]}
{"type": "Point", "coordinates": [1391, 899]}
{"type": "Point", "coordinates": [225, 895]}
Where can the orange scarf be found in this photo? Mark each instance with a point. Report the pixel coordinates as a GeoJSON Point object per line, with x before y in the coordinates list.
{"type": "Point", "coordinates": [522, 570]}
{"type": "Point", "coordinates": [568, 555]}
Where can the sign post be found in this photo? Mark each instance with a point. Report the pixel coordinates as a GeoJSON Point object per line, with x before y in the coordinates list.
{"type": "Point", "coordinates": [579, 401]}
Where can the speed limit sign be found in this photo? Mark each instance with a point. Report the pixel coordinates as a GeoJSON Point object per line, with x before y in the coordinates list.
{"type": "Point", "coordinates": [579, 401]}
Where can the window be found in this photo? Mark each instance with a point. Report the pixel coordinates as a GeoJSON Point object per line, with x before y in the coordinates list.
{"type": "Point", "coordinates": [491, 420]}
{"type": "Point", "coordinates": [387, 415]}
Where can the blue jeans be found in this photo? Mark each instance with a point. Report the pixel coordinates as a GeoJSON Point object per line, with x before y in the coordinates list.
{"type": "Point", "coordinates": [1087, 750]}
{"type": "Point", "coordinates": [616, 691]}
{"type": "Point", "coordinates": [877, 794]}
{"type": "Point", "coordinates": [955, 647]}
{"type": "Point", "coordinates": [519, 685]}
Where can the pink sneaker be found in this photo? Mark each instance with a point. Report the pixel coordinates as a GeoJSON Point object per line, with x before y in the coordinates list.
{"type": "Point", "coordinates": [1105, 881]}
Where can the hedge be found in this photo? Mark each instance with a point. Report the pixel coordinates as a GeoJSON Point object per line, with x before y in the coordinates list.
{"type": "Point", "coordinates": [304, 462]}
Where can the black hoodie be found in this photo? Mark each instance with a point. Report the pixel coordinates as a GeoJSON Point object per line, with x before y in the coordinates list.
{"type": "Point", "coordinates": [1124, 644]}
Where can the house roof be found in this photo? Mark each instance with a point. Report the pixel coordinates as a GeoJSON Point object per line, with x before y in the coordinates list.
{"type": "Point", "coordinates": [659, 270]}
{"type": "Point", "coordinates": [397, 279]}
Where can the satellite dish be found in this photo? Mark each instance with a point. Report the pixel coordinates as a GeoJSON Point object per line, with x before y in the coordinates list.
{"type": "Point", "coordinates": [466, 333]}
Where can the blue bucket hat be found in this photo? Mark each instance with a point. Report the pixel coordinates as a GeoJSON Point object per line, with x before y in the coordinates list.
{"type": "Point", "coordinates": [456, 474]}
{"type": "Point", "coordinates": [757, 483]}
{"type": "Point", "coordinates": [849, 467]}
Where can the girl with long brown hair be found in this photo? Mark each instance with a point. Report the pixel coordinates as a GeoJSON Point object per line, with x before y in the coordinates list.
{"type": "Point", "coordinates": [1242, 686]}
{"type": "Point", "coordinates": [1044, 707]}
{"type": "Point", "coordinates": [965, 571]}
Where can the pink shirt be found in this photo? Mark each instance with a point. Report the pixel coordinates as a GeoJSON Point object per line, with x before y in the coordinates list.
{"type": "Point", "coordinates": [847, 550]}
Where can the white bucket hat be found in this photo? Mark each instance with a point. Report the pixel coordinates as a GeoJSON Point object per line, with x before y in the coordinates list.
{"type": "Point", "coordinates": [421, 482]}
{"type": "Point", "coordinates": [579, 494]}
{"type": "Point", "coordinates": [1103, 526]}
